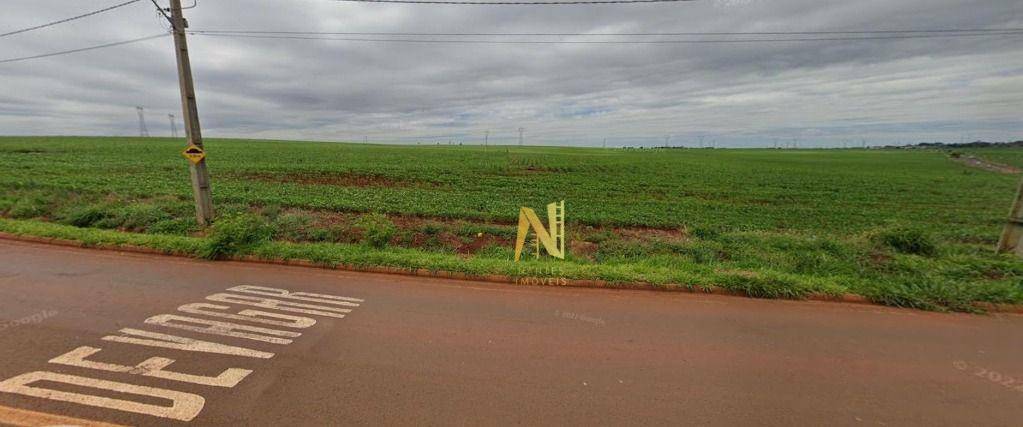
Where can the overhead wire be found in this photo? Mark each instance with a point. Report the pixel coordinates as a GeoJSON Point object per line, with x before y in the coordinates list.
{"type": "Point", "coordinates": [67, 52]}
{"type": "Point", "coordinates": [674, 41]}
{"type": "Point", "coordinates": [73, 18]}
{"type": "Point", "coordinates": [715, 33]}
{"type": "Point", "coordinates": [516, 3]}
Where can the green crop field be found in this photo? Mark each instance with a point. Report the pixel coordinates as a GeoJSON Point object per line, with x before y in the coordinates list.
{"type": "Point", "coordinates": [901, 227]}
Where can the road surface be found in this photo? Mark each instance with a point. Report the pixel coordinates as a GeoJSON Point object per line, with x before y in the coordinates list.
{"type": "Point", "coordinates": [127, 339]}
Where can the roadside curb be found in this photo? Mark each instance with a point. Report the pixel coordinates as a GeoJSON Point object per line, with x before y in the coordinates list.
{"type": "Point", "coordinates": [491, 278]}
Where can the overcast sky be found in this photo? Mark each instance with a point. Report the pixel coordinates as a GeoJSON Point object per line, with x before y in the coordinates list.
{"type": "Point", "coordinates": [824, 93]}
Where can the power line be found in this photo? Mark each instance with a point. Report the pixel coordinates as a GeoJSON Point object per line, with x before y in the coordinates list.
{"type": "Point", "coordinates": [697, 41]}
{"type": "Point", "coordinates": [50, 24]}
{"type": "Point", "coordinates": [47, 55]}
{"type": "Point", "coordinates": [163, 12]}
{"type": "Point", "coordinates": [519, 3]}
{"type": "Point", "coordinates": [772, 33]}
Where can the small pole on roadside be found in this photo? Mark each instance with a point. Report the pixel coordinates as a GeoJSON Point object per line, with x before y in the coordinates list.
{"type": "Point", "coordinates": [1012, 236]}
{"type": "Point", "coordinates": [193, 131]}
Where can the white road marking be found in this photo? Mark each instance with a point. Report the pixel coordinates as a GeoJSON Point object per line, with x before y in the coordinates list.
{"type": "Point", "coordinates": [184, 344]}
{"type": "Point", "coordinates": [152, 367]}
{"type": "Point", "coordinates": [184, 406]}
{"type": "Point", "coordinates": [275, 304]}
{"type": "Point", "coordinates": [254, 316]}
{"type": "Point", "coordinates": [226, 329]}
{"type": "Point", "coordinates": [301, 296]}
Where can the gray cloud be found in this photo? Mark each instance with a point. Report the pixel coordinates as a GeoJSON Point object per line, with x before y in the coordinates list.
{"type": "Point", "coordinates": [825, 93]}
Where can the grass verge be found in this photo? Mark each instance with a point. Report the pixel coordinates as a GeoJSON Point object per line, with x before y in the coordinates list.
{"type": "Point", "coordinates": [242, 237]}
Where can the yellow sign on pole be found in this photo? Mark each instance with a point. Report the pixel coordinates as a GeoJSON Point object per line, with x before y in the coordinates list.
{"type": "Point", "coordinates": [194, 154]}
{"type": "Point", "coordinates": [553, 240]}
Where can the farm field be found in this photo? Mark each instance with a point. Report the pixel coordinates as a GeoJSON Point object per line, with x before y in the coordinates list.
{"type": "Point", "coordinates": [901, 227]}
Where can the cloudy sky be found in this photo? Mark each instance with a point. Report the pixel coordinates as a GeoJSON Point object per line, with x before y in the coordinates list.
{"type": "Point", "coordinates": [825, 93]}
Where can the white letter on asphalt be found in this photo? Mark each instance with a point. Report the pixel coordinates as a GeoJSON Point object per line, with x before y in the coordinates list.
{"type": "Point", "coordinates": [152, 367]}
{"type": "Point", "coordinates": [222, 328]}
{"type": "Point", "coordinates": [184, 406]}
{"type": "Point", "coordinates": [255, 316]}
{"type": "Point", "coordinates": [301, 296]}
{"type": "Point", "coordinates": [184, 344]}
{"type": "Point", "coordinates": [274, 304]}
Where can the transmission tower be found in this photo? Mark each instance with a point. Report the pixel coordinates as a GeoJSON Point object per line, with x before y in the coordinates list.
{"type": "Point", "coordinates": [143, 130]}
{"type": "Point", "coordinates": [174, 126]}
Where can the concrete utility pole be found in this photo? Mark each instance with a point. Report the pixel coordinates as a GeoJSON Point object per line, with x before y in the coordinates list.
{"type": "Point", "coordinates": [143, 130]}
{"type": "Point", "coordinates": [193, 131]}
{"type": "Point", "coordinates": [486, 140]}
{"type": "Point", "coordinates": [521, 130]}
{"type": "Point", "coordinates": [1012, 235]}
{"type": "Point", "coordinates": [174, 126]}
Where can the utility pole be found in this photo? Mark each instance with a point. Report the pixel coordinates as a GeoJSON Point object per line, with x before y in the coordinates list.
{"type": "Point", "coordinates": [143, 130]}
{"type": "Point", "coordinates": [174, 126]}
{"type": "Point", "coordinates": [521, 130]}
{"type": "Point", "coordinates": [667, 140]}
{"type": "Point", "coordinates": [193, 131]}
{"type": "Point", "coordinates": [1012, 236]}
{"type": "Point", "coordinates": [486, 140]}
{"type": "Point", "coordinates": [701, 141]}
{"type": "Point", "coordinates": [605, 143]}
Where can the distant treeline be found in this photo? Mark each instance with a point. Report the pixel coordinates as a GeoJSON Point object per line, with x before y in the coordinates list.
{"type": "Point", "coordinates": [974, 144]}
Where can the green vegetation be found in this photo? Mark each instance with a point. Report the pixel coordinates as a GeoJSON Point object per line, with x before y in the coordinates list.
{"type": "Point", "coordinates": [901, 227]}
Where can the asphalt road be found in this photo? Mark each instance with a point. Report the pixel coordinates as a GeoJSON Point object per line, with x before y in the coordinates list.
{"type": "Point", "coordinates": [76, 346]}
